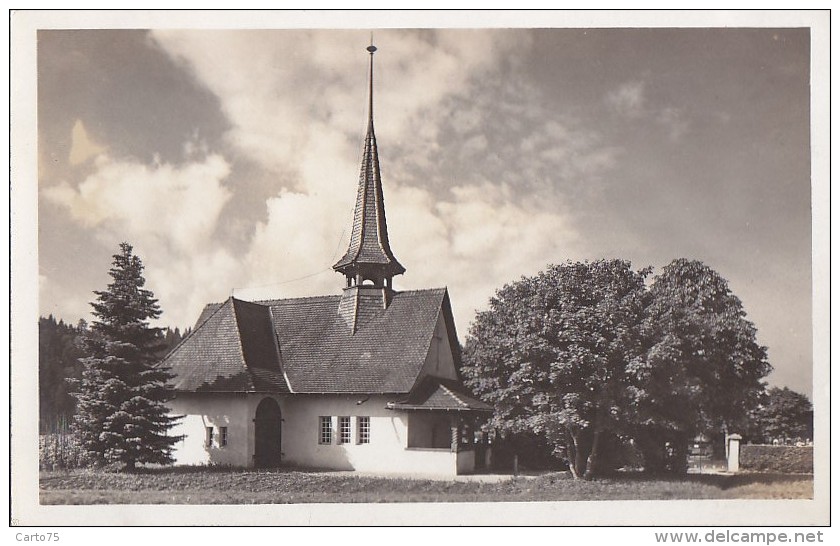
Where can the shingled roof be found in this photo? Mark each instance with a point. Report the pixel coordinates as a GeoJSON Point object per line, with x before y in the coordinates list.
{"type": "Point", "coordinates": [231, 349]}
{"type": "Point", "coordinates": [433, 393]}
{"type": "Point", "coordinates": [234, 347]}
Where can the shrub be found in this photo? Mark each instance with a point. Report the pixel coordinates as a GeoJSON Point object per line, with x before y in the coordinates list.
{"type": "Point", "coordinates": [789, 459]}
{"type": "Point", "coordinates": [59, 451]}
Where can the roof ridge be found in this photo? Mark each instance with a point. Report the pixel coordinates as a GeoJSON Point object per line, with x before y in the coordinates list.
{"type": "Point", "coordinates": [247, 301]}
{"type": "Point", "coordinates": [323, 296]}
{"type": "Point", "coordinates": [438, 289]}
{"type": "Point", "coordinates": [268, 301]}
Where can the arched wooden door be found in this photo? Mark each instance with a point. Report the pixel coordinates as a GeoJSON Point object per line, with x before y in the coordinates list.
{"type": "Point", "coordinates": [267, 434]}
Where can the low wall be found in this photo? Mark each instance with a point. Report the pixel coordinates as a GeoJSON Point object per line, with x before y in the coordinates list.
{"type": "Point", "coordinates": [465, 462]}
{"type": "Point", "coordinates": [767, 458]}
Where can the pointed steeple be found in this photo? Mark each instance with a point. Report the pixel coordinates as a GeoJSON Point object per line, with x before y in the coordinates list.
{"type": "Point", "coordinates": [369, 256]}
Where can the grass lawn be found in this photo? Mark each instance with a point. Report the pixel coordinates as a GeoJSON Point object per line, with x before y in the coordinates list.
{"type": "Point", "coordinates": [224, 486]}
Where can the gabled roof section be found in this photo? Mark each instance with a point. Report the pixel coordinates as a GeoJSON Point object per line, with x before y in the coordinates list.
{"type": "Point", "coordinates": [259, 346]}
{"type": "Point", "coordinates": [434, 393]}
{"type": "Point", "coordinates": [231, 349]}
{"type": "Point", "coordinates": [206, 313]}
{"type": "Point", "coordinates": [369, 243]}
{"type": "Point", "coordinates": [385, 355]}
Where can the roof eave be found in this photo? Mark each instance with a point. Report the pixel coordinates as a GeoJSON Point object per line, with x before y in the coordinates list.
{"type": "Point", "coordinates": [402, 407]}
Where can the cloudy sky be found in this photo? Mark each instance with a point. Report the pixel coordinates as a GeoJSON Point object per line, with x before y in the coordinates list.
{"type": "Point", "coordinates": [229, 159]}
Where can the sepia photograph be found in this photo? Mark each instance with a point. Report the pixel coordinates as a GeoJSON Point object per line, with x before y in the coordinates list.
{"type": "Point", "coordinates": [382, 268]}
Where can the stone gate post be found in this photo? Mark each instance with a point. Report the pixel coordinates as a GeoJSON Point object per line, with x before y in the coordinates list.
{"type": "Point", "coordinates": [733, 452]}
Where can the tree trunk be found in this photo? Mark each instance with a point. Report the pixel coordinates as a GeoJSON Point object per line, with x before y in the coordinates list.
{"type": "Point", "coordinates": [592, 466]}
{"type": "Point", "coordinates": [581, 458]}
{"type": "Point", "coordinates": [579, 447]}
{"type": "Point", "coordinates": [571, 452]}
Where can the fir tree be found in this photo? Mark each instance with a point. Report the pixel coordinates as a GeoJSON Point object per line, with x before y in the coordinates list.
{"type": "Point", "coordinates": [122, 419]}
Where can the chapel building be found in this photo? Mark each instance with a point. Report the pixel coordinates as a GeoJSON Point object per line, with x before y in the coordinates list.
{"type": "Point", "coordinates": [366, 379]}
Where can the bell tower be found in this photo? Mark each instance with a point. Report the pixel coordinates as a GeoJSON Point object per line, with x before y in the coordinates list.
{"type": "Point", "coordinates": [369, 264]}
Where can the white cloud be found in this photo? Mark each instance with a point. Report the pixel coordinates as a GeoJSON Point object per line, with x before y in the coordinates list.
{"type": "Point", "coordinates": [169, 213]}
{"type": "Point", "coordinates": [628, 99]}
{"type": "Point", "coordinates": [175, 206]}
{"type": "Point", "coordinates": [296, 104]}
{"type": "Point", "coordinates": [299, 112]}
{"type": "Point", "coordinates": [474, 242]}
{"type": "Point", "coordinates": [185, 283]}
{"type": "Point", "coordinates": [283, 90]}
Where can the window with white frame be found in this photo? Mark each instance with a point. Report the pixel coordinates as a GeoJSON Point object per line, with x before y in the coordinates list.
{"type": "Point", "coordinates": [325, 430]}
{"type": "Point", "coordinates": [344, 433]}
{"type": "Point", "coordinates": [208, 439]}
{"type": "Point", "coordinates": [363, 428]}
{"type": "Point", "coordinates": [223, 436]}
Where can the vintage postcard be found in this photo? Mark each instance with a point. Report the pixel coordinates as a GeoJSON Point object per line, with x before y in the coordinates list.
{"type": "Point", "coordinates": [416, 268]}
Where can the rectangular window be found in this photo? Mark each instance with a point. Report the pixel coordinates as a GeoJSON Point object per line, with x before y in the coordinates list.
{"type": "Point", "coordinates": [223, 436]}
{"type": "Point", "coordinates": [363, 426]}
{"type": "Point", "coordinates": [209, 437]}
{"type": "Point", "coordinates": [344, 434]}
{"type": "Point", "coordinates": [325, 430]}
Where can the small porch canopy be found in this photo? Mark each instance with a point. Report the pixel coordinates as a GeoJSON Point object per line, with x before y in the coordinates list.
{"type": "Point", "coordinates": [436, 394]}
{"type": "Point", "coordinates": [441, 415]}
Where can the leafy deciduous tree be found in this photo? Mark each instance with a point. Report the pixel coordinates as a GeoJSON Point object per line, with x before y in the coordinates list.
{"type": "Point", "coordinates": [784, 414]}
{"type": "Point", "coordinates": [703, 371]}
{"type": "Point", "coordinates": [551, 354]}
{"type": "Point", "coordinates": [584, 353]}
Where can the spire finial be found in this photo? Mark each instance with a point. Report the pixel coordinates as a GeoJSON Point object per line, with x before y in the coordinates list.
{"type": "Point", "coordinates": [371, 49]}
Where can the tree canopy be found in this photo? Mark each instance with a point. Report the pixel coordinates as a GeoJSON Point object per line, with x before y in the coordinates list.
{"type": "Point", "coordinates": [703, 370]}
{"type": "Point", "coordinates": [585, 352]}
{"type": "Point", "coordinates": [551, 354]}
{"type": "Point", "coordinates": [122, 419]}
{"type": "Point", "coordinates": [784, 415]}
{"type": "Point", "coordinates": [58, 361]}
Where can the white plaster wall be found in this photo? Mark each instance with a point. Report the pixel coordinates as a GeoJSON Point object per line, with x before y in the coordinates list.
{"type": "Point", "coordinates": [386, 451]}
{"type": "Point", "coordinates": [439, 361]}
{"type": "Point", "coordinates": [235, 411]}
{"type": "Point", "coordinates": [430, 461]}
